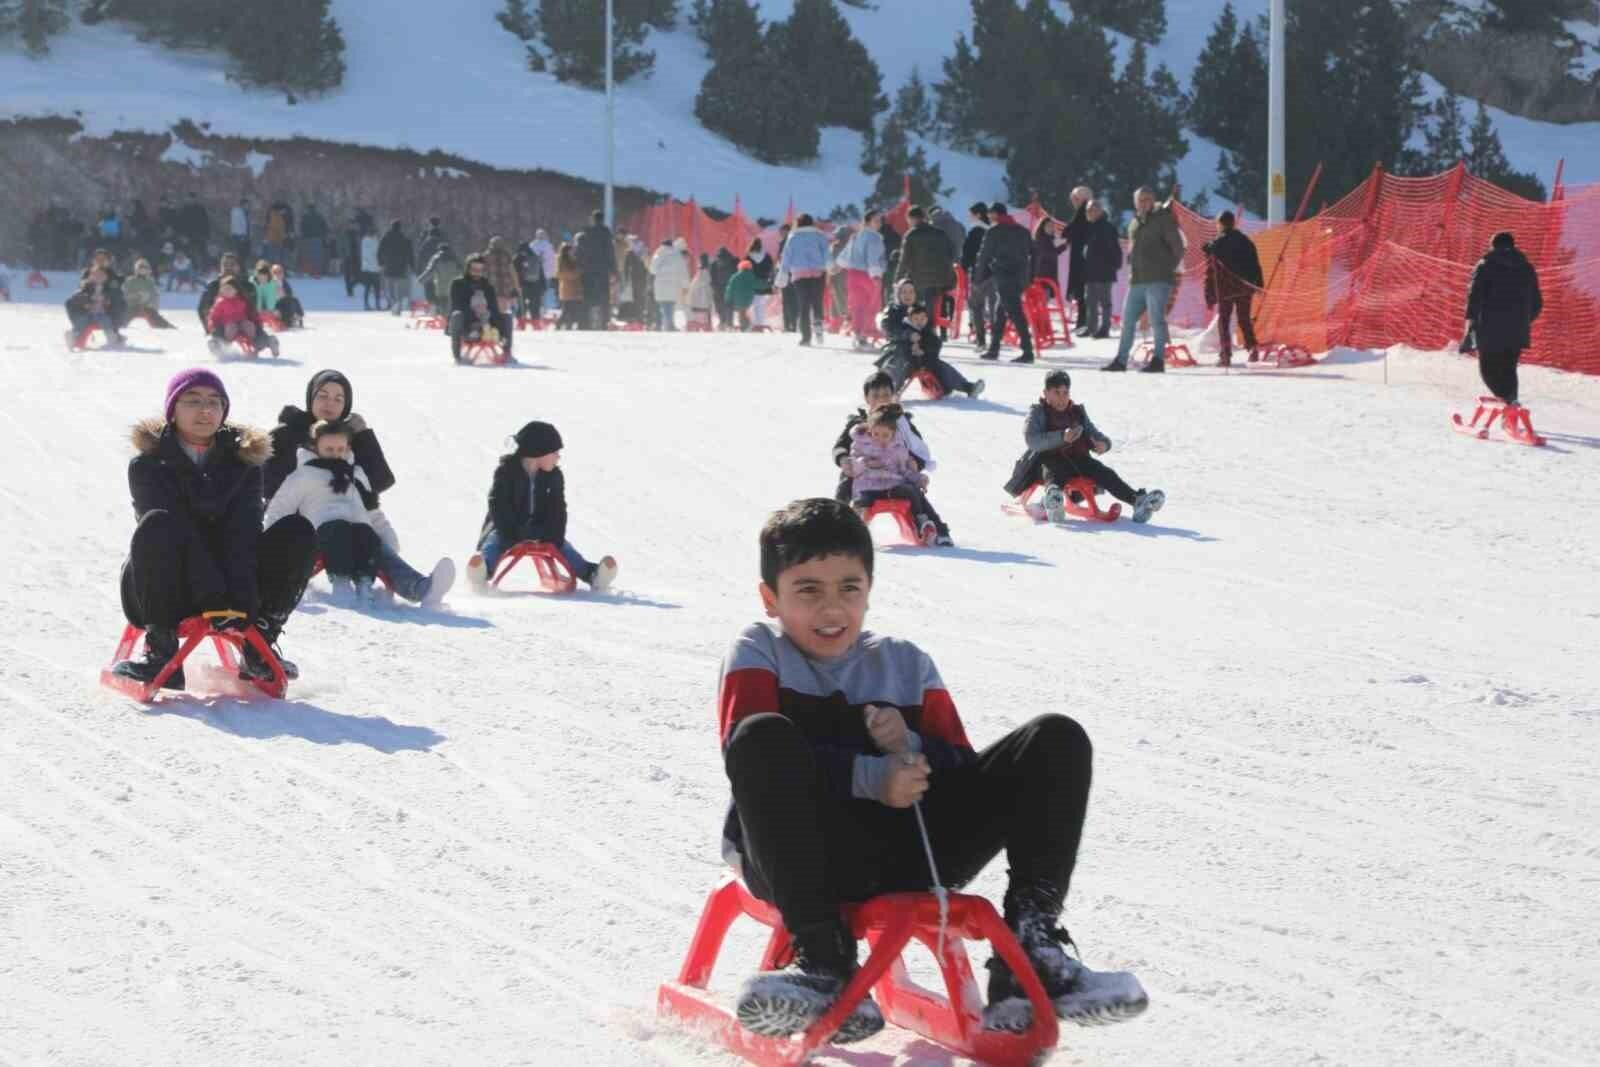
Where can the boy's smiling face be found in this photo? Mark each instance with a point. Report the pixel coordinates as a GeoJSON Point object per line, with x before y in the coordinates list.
{"type": "Point", "coordinates": [821, 603]}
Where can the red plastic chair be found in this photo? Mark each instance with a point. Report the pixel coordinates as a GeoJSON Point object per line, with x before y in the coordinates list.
{"type": "Point", "coordinates": [1084, 487]}
{"type": "Point", "coordinates": [888, 923]}
{"type": "Point", "coordinates": [554, 574]}
{"type": "Point", "coordinates": [901, 511]}
{"type": "Point", "coordinates": [191, 633]}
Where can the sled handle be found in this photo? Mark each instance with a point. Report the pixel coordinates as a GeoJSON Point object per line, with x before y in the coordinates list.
{"type": "Point", "coordinates": [222, 616]}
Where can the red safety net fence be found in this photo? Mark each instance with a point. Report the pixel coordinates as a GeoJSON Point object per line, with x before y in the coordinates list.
{"type": "Point", "coordinates": [672, 219]}
{"type": "Point", "coordinates": [1392, 262]}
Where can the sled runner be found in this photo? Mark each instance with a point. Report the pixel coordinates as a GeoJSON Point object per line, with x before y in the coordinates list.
{"type": "Point", "coordinates": [1177, 355]}
{"type": "Point", "coordinates": [484, 353]}
{"type": "Point", "coordinates": [889, 923]}
{"type": "Point", "coordinates": [554, 574]}
{"type": "Point", "coordinates": [1079, 489]}
{"type": "Point", "coordinates": [1514, 421]}
{"type": "Point", "coordinates": [1282, 355]}
{"type": "Point", "coordinates": [426, 322]}
{"type": "Point", "coordinates": [80, 342]}
{"type": "Point", "coordinates": [192, 632]}
{"type": "Point", "coordinates": [901, 510]}
{"type": "Point", "coordinates": [241, 346]}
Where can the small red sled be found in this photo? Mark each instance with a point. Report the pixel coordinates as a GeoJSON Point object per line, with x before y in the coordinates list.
{"type": "Point", "coordinates": [554, 574]}
{"type": "Point", "coordinates": [1514, 420]}
{"type": "Point", "coordinates": [191, 633]}
{"type": "Point", "coordinates": [888, 923]}
{"type": "Point", "coordinates": [80, 342]}
{"type": "Point", "coordinates": [1177, 355]}
{"type": "Point", "coordinates": [481, 353]}
{"type": "Point", "coordinates": [909, 530]}
{"type": "Point", "coordinates": [1082, 487]}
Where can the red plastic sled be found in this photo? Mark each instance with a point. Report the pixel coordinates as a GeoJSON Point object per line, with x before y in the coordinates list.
{"type": "Point", "coordinates": [554, 574]}
{"type": "Point", "coordinates": [1282, 355]}
{"type": "Point", "coordinates": [37, 280]}
{"type": "Point", "coordinates": [484, 353]}
{"type": "Point", "coordinates": [1084, 487]}
{"type": "Point", "coordinates": [889, 923]}
{"type": "Point", "coordinates": [85, 335]}
{"type": "Point", "coordinates": [270, 320]}
{"type": "Point", "coordinates": [1514, 420]}
{"type": "Point", "coordinates": [901, 510]}
{"type": "Point", "coordinates": [191, 633]}
{"type": "Point", "coordinates": [930, 384]}
{"type": "Point", "coordinates": [1177, 355]}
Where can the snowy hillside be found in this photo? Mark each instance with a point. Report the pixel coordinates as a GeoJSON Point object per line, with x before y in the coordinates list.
{"type": "Point", "coordinates": [458, 84]}
{"type": "Point", "coordinates": [1343, 696]}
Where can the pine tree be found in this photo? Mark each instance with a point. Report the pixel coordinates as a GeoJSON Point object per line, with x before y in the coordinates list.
{"type": "Point", "coordinates": [749, 98]}
{"type": "Point", "coordinates": [575, 33]}
{"type": "Point", "coordinates": [1486, 158]}
{"type": "Point", "coordinates": [912, 108]}
{"type": "Point", "coordinates": [724, 23]}
{"type": "Point", "coordinates": [816, 46]}
{"type": "Point", "coordinates": [1211, 98]}
{"type": "Point", "coordinates": [1146, 112]}
{"type": "Point", "coordinates": [518, 20]}
{"type": "Point", "coordinates": [1143, 20]}
{"type": "Point", "coordinates": [1444, 140]}
{"type": "Point", "coordinates": [294, 45]}
{"type": "Point", "coordinates": [34, 21]}
{"type": "Point", "coordinates": [1542, 17]}
{"type": "Point", "coordinates": [890, 158]}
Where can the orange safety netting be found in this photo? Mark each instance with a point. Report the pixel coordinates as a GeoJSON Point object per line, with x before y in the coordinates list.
{"type": "Point", "coordinates": [1391, 264]}
{"type": "Point", "coordinates": [672, 219]}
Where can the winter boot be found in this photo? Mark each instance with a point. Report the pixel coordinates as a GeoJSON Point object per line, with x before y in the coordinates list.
{"type": "Point", "coordinates": [253, 668]}
{"type": "Point", "coordinates": [1146, 504]}
{"type": "Point", "coordinates": [364, 592]}
{"type": "Point", "coordinates": [601, 575]}
{"type": "Point", "coordinates": [344, 590]}
{"type": "Point", "coordinates": [478, 573]}
{"type": "Point", "coordinates": [927, 530]}
{"type": "Point", "coordinates": [1055, 508]}
{"type": "Point", "coordinates": [1082, 996]}
{"type": "Point", "coordinates": [1157, 365]}
{"type": "Point", "coordinates": [781, 1003]}
{"type": "Point", "coordinates": [431, 591]}
{"type": "Point", "coordinates": [159, 647]}
{"type": "Point", "coordinates": [975, 390]}
{"type": "Point", "coordinates": [1116, 365]}
{"type": "Point", "coordinates": [1026, 357]}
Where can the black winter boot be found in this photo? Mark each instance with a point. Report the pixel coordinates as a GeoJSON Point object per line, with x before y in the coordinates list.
{"type": "Point", "coordinates": [159, 647]}
{"type": "Point", "coordinates": [1088, 998]}
{"type": "Point", "coordinates": [253, 668]}
{"type": "Point", "coordinates": [781, 1003]}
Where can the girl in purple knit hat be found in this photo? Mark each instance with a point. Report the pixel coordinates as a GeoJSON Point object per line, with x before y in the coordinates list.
{"type": "Point", "coordinates": [198, 545]}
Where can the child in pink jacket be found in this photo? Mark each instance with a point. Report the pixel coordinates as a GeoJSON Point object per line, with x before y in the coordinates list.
{"type": "Point", "coordinates": [881, 468]}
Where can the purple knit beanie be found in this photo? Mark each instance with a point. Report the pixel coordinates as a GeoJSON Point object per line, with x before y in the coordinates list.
{"type": "Point", "coordinates": [194, 377]}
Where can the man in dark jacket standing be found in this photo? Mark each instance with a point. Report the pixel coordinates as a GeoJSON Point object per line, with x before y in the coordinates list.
{"type": "Point", "coordinates": [1501, 306]}
{"type": "Point", "coordinates": [597, 259]}
{"type": "Point", "coordinates": [927, 260]}
{"type": "Point", "coordinates": [1005, 258]}
{"type": "Point", "coordinates": [977, 294]}
{"type": "Point", "coordinates": [1102, 259]}
{"type": "Point", "coordinates": [1233, 276]}
{"type": "Point", "coordinates": [1077, 233]}
{"type": "Point", "coordinates": [723, 268]}
{"type": "Point", "coordinates": [396, 257]}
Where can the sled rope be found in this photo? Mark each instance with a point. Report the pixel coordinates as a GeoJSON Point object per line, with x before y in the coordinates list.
{"type": "Point", "coordinates": [939, 890]}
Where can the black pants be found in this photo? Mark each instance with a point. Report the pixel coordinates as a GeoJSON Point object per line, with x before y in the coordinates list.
{"type": "Point", "coordinates": [596, 300]}
{"type": "Point", "coordinates": [1499, 371]}
{"type": "Point", "coordinates": [1225, 310]}
{"type": "Point", "coordinates": [533, 299]}
{"type": "Point", "coordinates": [458, 329]}
{"type": "Point", "coordinates": [1059, 468]}
{"type": "Point", "coordinates": [349, 550]}
{"type": "Point", "coordinates": [933, 299]}
{"type": "Point", "coordinates": [290, 313]}
{"type": "Point", "coordinates": [1008, 304]}
{"type": "Point", "coordinates": [950, 379]}
{"type": "Point", "coordinates": [160, 587]}
{"type": "Point", "coordinates": [791, 309]}
{"type": "Point", "coordinates": [920, 505]}
{"type": "Point", "coordinates": [371, 291]}
{"type": "Point", "coordinates": [808, 305]}
{"type": "Point", "coordinates": [978, 294]}
{"type": "Point", "coordinates": [809, 851]}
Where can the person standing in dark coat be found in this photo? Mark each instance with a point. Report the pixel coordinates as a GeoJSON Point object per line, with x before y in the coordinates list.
{"type": "Point", "coordinates": [1049, 239]}
{"type": "Point", "coordinates": [1501, 306]}
{"type": "Point", "coordinates": [1004, 259]}
{"type": "Point", "coordinates": [397, 257]}
{"type": "Point", "coordinates": [723, 268]}
{"type": "Point", "coordinates": [1077, 232]}
{"type": "Point", "coordinates": [927, 260]}
{"type": "Point", "coordinates": [1102, 259]}
{"type": "Point", "coordinates": [1233, 276]}
{"type": "Point", "coordinates": [313, 240]}
{"type": "Point", "coordinates": [195, 226]}
{"type": "Point", "coordinates": [977, 294]}
{"type": "Point", "coordinates": [597, 259]}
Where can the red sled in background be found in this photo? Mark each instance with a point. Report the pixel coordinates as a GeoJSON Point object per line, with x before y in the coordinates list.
{"type": "Point", "coordinates": [228, 643]}
{"type": "Point", "coordinates": [913, 534]}
{"type": "Point", "coordinates": [1514, 420]}
{"type": "Point", "coordinates": [1077, 499]}
{"type": "Point", "coordinates": [888, 923]}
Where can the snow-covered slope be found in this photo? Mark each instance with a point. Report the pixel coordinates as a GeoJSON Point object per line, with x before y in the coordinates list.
{"type": "Point", "coordinates": [423, 79]}
{"type": "Point", "coordinates": [1343, 696]}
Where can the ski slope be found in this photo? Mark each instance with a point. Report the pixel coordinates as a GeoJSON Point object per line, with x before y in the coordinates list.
{"type": "Point", "coordinates": [1343, 692]}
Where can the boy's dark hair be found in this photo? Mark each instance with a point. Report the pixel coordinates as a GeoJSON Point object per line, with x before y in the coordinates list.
{"type": "Point", "coordinates": [1058, 379]}
{"type": "Point", "coordinates": [917, 213]}
{"type": "Point", "coordinates": [997, 208]}
{"type": "Point", "coordinates": [916, 309]}
{"type": "Point", "coordinates": [328, 428]}
{"type": "Point", "coordinates": [1226, 220]}
{"type": "Point", "coordinates": [888, 415]}
{"type": "Point", "coordinates": [880, 379]}
{"type": "Point", "coordinates": [870, 215]}
{"type": "Point", "coordinates": [597, 216]}
{"type": "Point", "coordinates": [812, 529]}
{"type": "Point", "coordinates": [804, 219]}
{"type": "Point", "coordinates": [979, 208]}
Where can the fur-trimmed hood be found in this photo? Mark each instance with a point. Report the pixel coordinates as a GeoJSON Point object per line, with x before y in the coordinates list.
{"type": "Point", "coordinates": [252, 446]}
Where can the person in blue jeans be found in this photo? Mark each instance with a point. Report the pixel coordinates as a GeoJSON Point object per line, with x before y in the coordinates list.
{"type": "Point", "coordinates": [1155, 255]}
{"type": "Point", "coordinates": [528, 502]}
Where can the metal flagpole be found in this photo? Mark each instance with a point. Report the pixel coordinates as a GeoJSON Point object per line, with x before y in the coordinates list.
{"type": "Point", "coordinates": [1277, 183]}
{"type": "Point", "coordinates": [610, 123]}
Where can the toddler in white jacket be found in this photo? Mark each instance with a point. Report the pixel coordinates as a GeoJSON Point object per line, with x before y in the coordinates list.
{"type": "Point", "coordinates": [337, 498]}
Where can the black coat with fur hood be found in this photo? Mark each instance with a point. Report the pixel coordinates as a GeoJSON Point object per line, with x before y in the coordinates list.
{"type": "Point", "coordinates": [219, 498]}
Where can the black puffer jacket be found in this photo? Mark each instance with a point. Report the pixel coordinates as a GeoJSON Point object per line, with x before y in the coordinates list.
{"type": "Point", "coordinates": [1102, 252]}
{"type": "Point", "coordinates": [526, 509]}
{"type": "Point", "coordinates": [461, 291]}
{"type": "Point", "coordinates": [220, 499]}
{"type": "Point", "coordinates": [1233, 268]}
{"type": "Point", "coordinates": [1006, 254]}
{"type": "Point", "coordinates": [294, 431]}
{"type": "Point", "coordinates": [1504, 301]}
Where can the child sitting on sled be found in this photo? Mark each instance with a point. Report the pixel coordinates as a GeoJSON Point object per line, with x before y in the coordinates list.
{"type": "Point", "coordinates": [1062, 444]}
{"type": "Point", "coordinates": [830, 735]}
{"type": "Point", "coordinates": [143, 298]}
{"type": "Point", "coordinates": [231, 316]}
{"type": "Point", "coordinates": [917, 349]}
{"type": "Point", "coordinates": [528, 502]}
{"type": "Point", "coordinates": [882, 468]}
{"type": "Point", "coordinates": [338, 500]}
{"type": "Point", "coordinates": [877, 391]}
{"type": "Point", "coordinates": [96, 303]}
